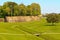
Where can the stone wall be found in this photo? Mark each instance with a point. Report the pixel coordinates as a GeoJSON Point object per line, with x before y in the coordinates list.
{"type": "Point", "coordinates": [22, 18]}
{"type": "Point", "coordinates": [1, 19]}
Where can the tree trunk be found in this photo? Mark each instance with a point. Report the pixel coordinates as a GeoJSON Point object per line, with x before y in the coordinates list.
{"type": "Point", "coordinates": [53, 24]}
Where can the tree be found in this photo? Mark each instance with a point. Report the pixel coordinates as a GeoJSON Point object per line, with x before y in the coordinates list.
{"type": "Point", "coordinates": [2, 12]}
{"type": "Point", "coordinates": [59, 16]}
{"type": "Point", "coordinates": [29, 10]}
{"type": "Point", "coordinates": [9, 8]}
{"type": "Point", "coordinates": [36, 10]}
{"type": "Point", "coordinates": [22, 10]}
{"type": "Point", "coordinates": [16, 10]}
{"type": "Point", "coordinates": [13, 9]}
{"type": "Point", "coordinates": [52, 18]}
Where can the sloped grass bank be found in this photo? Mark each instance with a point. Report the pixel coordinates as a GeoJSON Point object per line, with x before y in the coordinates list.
{"type": "Point", "coordinates": [31, 28]}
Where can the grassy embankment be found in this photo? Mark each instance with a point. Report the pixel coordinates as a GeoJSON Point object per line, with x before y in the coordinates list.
{"type": "Point", "coordinates": [26, 31]}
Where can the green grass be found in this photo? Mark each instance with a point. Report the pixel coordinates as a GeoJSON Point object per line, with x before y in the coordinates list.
{"type": "Point", "coordinates": [28, 29]}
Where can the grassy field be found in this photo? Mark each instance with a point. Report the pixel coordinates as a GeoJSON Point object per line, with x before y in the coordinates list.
{"type": "Point", "coordinates": [27, 31]}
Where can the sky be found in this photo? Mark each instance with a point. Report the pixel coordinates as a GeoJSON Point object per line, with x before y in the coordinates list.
{"type": "Point", "coordinates": [47, 6]}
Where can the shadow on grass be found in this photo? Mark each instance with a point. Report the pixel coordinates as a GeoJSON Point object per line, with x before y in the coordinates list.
{"type": "Point", "coordinates": [50, 24]}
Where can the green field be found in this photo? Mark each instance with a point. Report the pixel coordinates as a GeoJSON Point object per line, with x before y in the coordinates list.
{"type": "Point", "coordinates": [27, 31]}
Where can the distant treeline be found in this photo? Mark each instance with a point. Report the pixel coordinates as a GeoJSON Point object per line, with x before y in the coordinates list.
{"type": "Point", "coordinates": [13, 9]}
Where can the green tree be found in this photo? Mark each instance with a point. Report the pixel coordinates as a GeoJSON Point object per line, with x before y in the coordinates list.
{"type": "Point", "coordinates": [9, 8]}
{"type": "Point", "coordinates": [22, 10]}
{"type": "Point", "coordinates": [2, 12]}
{"type": "Point", "coordinates": [16, 10]}
{"type": "Point", "coordinates": [13, 9]}
{"type": "Point", "coordinates": [29, 10]}
{"type": "Point", "coordinates": [52, 18]}
{"type": "Point", "coordinates": [36, 10]}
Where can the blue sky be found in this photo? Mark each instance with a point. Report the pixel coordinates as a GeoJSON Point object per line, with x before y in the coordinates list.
{"type": "Point", "coordinates": [47, 6]}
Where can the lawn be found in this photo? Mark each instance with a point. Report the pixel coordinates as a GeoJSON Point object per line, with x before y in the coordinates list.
{"type": "Point", "coordinates": [27, 30]}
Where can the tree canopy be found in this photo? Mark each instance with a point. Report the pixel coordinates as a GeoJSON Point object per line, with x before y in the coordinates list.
{"type": "Point", "coordinates": [53, 18]}
{"type": "Point", "coordinates": [14, 9]}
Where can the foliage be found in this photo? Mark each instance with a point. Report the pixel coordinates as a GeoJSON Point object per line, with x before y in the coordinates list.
{"type": "Point", "coordinates": [35, 9]}
{"type": "Point", "coordinates": [22, 10]}
{"type": "Point", "coordinates": [2, 12]}
{"type": "Point", "coordinates": [52, 18]}
{"type": "Point", "coordinates": [13, 9]}
{"type": "Point", "coordinates": [29, 10]}
{"type": "Point", "coordinates": [9, 8]}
